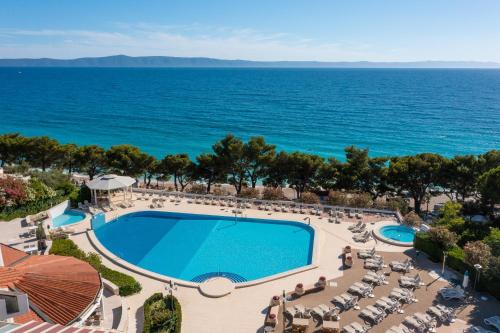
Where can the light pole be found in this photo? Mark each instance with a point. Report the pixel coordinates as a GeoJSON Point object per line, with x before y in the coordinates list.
{"type": "Point", "coordinates": [445, 254]}
{"type": "Point", "coordinates": [478, 268]}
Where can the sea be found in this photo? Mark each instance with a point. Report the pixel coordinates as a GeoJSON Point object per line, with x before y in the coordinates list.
{"type": "Point", "coordinates": [319, 111]}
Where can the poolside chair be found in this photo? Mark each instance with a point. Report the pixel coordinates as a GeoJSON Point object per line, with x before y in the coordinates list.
{"type": "Point", "coordinates": [374, 265]}
{"type": "Point", "coordinates": [364, 290]}
{"type": "Point", "coordinates": [401, 266]}
{"type": "Point", "coordinates": [324, 311]}
{"type": "Point", "coordinates": [411, 282]}
{"type": "Point", "coordinates": [359, 229]}
{"type": "Point", "coordinates": [365, 254]}
{"type": "Point", "coordinates": [387, 305]}
{"type": "Point", "coordinates": [493, 321]}
{"type": "Point", "coordinates": [374, 317]}
{"type": "Point", "coordinates": [376, 310]}
{"type": "Point", "coordinates": [452, 293]}
{"type": "Point", "coordinates": [349, 329]}
{"type": "Point", "coordinates": [412, 322]}
{"type": "Point", "coordinates": [426, 320]}
{"type": "Point", "coordinates": [362, 238]}
{"type": "Point", "coordinates": [292, 312]}
{"type": "Point", "coordinates": [374, 278]}
{"type": "Point", "coordinates": [402, 297]}
{"type": "Point", "coordinates": [303, 311]}
{"type": "Point", "coordinates": [398, 329]}
{"type": "Point", "coordinates": [355, 327]}
{"type": "Point", "coordinates": [347, 301]}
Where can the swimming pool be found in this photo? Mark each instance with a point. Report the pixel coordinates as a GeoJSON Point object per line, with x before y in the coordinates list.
{"type": "Point", "coordinates": [398, 233]}
{"type": "Point", "coordinates": [67, 218]}
{"type": "Point", "coordinates": [196, 247]}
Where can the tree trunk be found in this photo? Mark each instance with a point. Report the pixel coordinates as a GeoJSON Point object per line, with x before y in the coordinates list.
{"type": "Point", "coordinates": [175, 182]}
{"type": "Point", "coordinates": [418, 202]}
{"type": "Point", "coordinates": [209, 184]}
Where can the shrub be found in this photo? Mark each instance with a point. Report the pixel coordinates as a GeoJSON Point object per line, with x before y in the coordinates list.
{"type": "Point", "coordinates": [162, 314]}
{"type": "Point", "coordinates": [442, 236]}
{"type": "Point", "coordinates": [309, 198]}
{"type": "Point", "coordinates": [412, 219]}
{"type": "Point", "coordinates": [360, 200]}
{"type": "Point", "coordinates": [477, 253]}
{"type": "Point", "coordinates": [126, 284]}
{"type": "Point", "coordinates": [273, 193]}
{"type": "Point", "coordinates": [219, 191]}
{"type": "Point", "coordinates": [398, 204]}
{"type": "Point", "coordinates": [197, 189]}
{"type": "Point", "coordinates": [423, 242]}
{"type": "Point", "coordinates": [249, 193]}
{"type": "Point", "coordinates": [337, 198]}
{"type": "Point", "coordinates": [456, 261]}
{"type": "Point", "coordinates": [493, 241]}
{"type": "Point", "coordinates": [80, 195]}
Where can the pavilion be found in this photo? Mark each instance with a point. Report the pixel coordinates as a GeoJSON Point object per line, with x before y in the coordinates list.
{"type": "Point", "coordinates": [106, 186]}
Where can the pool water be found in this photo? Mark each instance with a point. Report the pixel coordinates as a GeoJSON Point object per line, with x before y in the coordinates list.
{"type": "Point", "coordinates": [398, 233]}
{"type": "Point", "coordinates": [190, 247]}
{"type": "Point", "coordinates": [67, 218]}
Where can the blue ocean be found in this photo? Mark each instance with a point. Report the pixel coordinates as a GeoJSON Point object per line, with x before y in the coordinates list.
{"type": "Point", "coordinates": [321, 111]}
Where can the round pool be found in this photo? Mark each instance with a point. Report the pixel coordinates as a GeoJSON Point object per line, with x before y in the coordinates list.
{"type": "Point", "coordinates": [195, 247]}
{"type": "Point", "coordinates": [67, 218]}
{"type": "Point", "coordinates": [396, 234]}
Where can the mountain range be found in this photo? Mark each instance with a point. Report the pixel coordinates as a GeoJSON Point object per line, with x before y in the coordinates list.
{"type": "Point", "coordinates": [165, 61]}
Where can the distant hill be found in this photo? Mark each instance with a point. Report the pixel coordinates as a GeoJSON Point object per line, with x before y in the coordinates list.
{"type": "Point", "coordinates": [162, 61]}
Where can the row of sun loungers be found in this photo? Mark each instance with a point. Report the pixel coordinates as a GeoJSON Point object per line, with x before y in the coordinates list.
{"type": "Point", "coordinates": [375, 263]}
{"type": "Point", "coordinates": [355, 327]}
{"type": "Point", "coordinates": [347, 301]}
{"type": "Point", "coordinates": [411, 282]}
{"type": "Point", "coordinates": [401, 266]}
{"type": "Point", "coordinates": [420, 322]}
{"type": "Point", "coordinates": [374, 278]}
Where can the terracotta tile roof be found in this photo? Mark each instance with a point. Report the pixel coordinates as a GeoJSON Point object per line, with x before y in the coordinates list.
{"type": "Point", "coordinates": [60, 287]}
{"type": "Point", "coordinates": [27, 317]}
{"type": "Point", "coordinates": [37, 327]}
{"type": "Point", "coordinates": [10, 255]}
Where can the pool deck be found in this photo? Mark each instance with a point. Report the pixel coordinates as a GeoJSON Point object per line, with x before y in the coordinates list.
{"type": "Point", "coordinates": [244, 309]}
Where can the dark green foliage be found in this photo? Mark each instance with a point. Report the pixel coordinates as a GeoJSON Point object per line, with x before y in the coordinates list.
{"type": "Point", "coordinates": [66, 247]}
{"type": "Point", "coordinates": [80, 195]}
{"type": "Point", "coordinates": [162, 314]}
{"type": "Point", "coordinates": [29, 208]}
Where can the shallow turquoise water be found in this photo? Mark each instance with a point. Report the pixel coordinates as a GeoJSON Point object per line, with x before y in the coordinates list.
{"type": "Point", "coordinates": [399, 233]}
{"type": "Point", "coordinates": [68, 217]}
{"type": "Point", "coordinates": [391, 111]}
{"type": "Point", "coordinates": [186, 246]}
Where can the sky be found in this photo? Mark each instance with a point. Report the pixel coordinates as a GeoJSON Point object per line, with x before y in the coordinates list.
{"type": "Point", "coordinates": [322, 30]}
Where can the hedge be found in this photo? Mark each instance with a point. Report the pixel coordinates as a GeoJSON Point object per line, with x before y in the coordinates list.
{"type": "Point", "coordinates": [150, 326]}
{"type": "Point", "coordinates": [126, 283]}
{"type": "Point", "coordinates": [455, 260]}
{"type": "Point", "coordinates": [29, 208]}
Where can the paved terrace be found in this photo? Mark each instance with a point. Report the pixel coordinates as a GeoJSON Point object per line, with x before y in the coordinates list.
{"type": "Point", "coordinates": [244, 309]}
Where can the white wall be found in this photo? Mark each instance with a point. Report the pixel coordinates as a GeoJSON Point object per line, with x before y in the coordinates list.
{"type": "Point", "coordinates": [59, 209]}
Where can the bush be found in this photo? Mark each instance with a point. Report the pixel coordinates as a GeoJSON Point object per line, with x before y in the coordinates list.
{"type": "Point", "coordinates": [424, 243]}
{"type": "Point", "coordinates": [477, 253]}
{"type": "Point", "coordinates": [80, 195]}
{"type": "Point", "coordinates": [29, 208]}
{"type": "Point", "coordinates": [249, 193]}
{"type": "Point", "coordinates": [66, 247]}
{"type": "Point", "coordinates": [197, 189]}
{"type": "Point", "coordinates": [360, 200]}
{"type": "Point", "coordinates": [443, 237]}
{"type": "Point", "coordinates": [273, 193]}
{"type": "Point", "coordinates": [412, 219]}
{"type": "Point", "coordinates": [309, 198]}
{"type": "Point", "coordinates": [337, 198]}
{"type": "Point", "coordinates": [162, 314]}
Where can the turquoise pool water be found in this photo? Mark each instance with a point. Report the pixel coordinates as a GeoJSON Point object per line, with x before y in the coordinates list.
{"type": "Point", "coordinates": [191, 247]}
{"type": "Point", "coordinates": [68, 217]}
{"type": "Point", "coordinates": [398, 233]}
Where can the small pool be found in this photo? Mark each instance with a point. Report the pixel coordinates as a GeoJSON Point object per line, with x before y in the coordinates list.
{"type": "Point", "coordinates": [398, 233]}
{"type": "Point", "coordinates": [196, 247]}
{"type": "Point", "coordinates": [67, 218]}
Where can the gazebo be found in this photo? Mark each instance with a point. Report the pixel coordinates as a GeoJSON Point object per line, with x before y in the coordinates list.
{"type": "Point", "coordinates": [109, 184]}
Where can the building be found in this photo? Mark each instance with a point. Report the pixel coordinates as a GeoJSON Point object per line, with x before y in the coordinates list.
{"type": "Point", "coordinates": [47, 289]}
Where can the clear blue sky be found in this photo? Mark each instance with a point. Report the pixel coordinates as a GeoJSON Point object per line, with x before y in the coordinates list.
{"type": "Point", "coordinates": [376, 30]}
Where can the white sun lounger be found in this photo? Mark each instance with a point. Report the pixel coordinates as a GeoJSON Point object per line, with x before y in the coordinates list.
{"type": "Point", "coordinates": [362, 238]}
{"type": "Point", "coordinates": [375, 278]}
{"type": "Point", "coordinates": [375, 265]}
{"type": "Point", "coordinates": [364, 254]}
{"type": "Point", "coordinates": [361, 290]}
{"type": "Point", "coordinates": [347, 301]}
{"type": "Point", "coordinates": [401, 266]}
{"type": "Point", "coordinates": [410, 282]}
{"type": "Point", "coordinates": [415, 324]}
{"type": "Point", "coordinates": [398, 329]}
{"type": "Point", "coordinates": [359, 229]}
{"type": "Point", "coordinates": [374, 317]}
{"type": "Point", "coordinates": [493, 321]}
{"type": "Point", "coordinates": [452, 293]}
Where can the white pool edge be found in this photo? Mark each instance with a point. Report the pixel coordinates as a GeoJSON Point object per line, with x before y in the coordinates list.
{"type": "Point", "coordinates": [382, 238]}
{"type": "Point", "coordinates": [165, 278]}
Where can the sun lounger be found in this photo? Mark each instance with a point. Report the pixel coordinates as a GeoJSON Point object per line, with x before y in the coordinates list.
{"type": "Point", "coordinates": [493, 321]}
{"type": "Point", "coordinates": [359, 229]}
{"type": "Point", "coordinates": [410, 282]}
{"type": "Point", "coordinates": [349, 329]}
{"type": "Point", "coordinates": [401, 296]}
{"type": "Point", "coordinates": [373, 264]}
{"type": "Point", "coordinates": [398, 329]}
{"type": "Point", "coordinates": [361, 290]}
{"type": "Point", "coordinates": [388, 305]}
{"type": "Point", "coordinates": [377, 279]}
{"type": "Point", "coordinates": [373, 317]}
{"type": "Point", "coordinates": [292, 312]}
{"type": "Point", "coordinates": [425, 319]}
{"type": "Point", "coordinates": [452, 293]}
{"type": "Point", "coordinates": [303, 311]}
{"type": "Point", "coordinates": [362, 238]}
{"type": "Point", "coordinates": [401, 266]}
{"type": "Point", "coordinates": [364, 254]}
{"type": "Point", "coordinates": [347, 301]}
{"type": "Point", "coordinates": [376, 310]}
{"type": "Point", "coordinates": [412, 322]}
